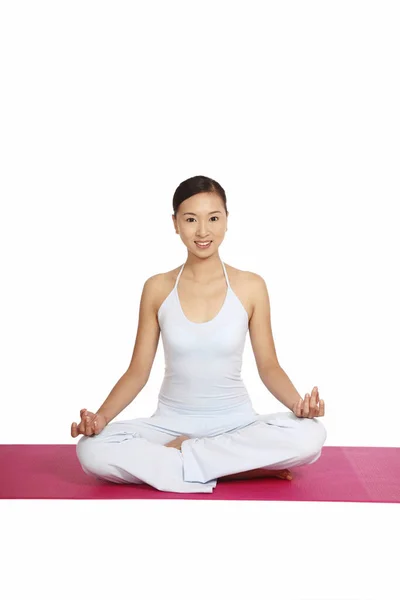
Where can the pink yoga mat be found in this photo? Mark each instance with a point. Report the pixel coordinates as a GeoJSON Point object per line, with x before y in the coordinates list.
{"type": "Point", "coordinates": [341, 474]}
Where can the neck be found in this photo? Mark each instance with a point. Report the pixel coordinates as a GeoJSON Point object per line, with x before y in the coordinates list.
{"type": "Point", "coordinates": [203, 270]}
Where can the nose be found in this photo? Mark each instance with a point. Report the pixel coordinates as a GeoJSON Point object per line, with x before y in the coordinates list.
{"type": "Point", "coordinates": [202, 231]}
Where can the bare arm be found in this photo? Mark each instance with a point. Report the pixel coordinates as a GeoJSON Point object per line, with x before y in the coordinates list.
{"type": "Point", "coordinates": [138, 372]}
{"type": "Point", "coordinates": [271, 373]}
{"type": "Point", "coordinates": [278, 383]}
{"type": "Point", "coordinates": [122, 394]}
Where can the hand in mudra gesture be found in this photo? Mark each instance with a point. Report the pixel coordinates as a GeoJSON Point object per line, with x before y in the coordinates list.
{"type": "Point", "coordinates": [310, 406]}
{"type": "Point", "coordinates": [91, 424]}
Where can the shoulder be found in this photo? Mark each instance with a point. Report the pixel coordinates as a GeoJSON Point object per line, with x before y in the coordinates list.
{"type": "Point", "coordinates": [254, 290]}
{"type": "Point", "coordinates": [155, 282]}
{"type": "Point", "coordinates": [158, 286]}
{"type": "Point", "coordinates": [256, 280]}
{"type": "Point", "coordinates": [250, 287]}
{"type": "Point", "coordinates": [249, 279]}
{"type": "Point", "coordinates": [260, 301]}
{"type": "Point", "coordinates": [258, 288]}
{"type": "Point", "coordinates": [238, 275]}
{"type": "Point", "coordinates": [162, 280]}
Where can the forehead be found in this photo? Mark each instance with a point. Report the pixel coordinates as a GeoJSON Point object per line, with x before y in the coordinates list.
{"type": "Point", "coordinates": [204, 202]}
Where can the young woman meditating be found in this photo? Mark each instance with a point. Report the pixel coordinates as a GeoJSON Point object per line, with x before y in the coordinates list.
{"type": "Point", "coordinates": [205, 428]}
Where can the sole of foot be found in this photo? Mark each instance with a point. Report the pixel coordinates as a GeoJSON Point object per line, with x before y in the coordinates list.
{"type": "Point", "coordinates": [281, 474]}
{"type": "Point", "coordinates": [177, 442]}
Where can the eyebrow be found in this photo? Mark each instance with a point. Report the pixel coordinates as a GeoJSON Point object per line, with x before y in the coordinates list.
{"type": "Point", "coordinates": [210, 213]}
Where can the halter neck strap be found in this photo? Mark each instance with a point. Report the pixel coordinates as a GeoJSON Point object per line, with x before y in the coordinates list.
{"type": "Point", "coordinates": [223, 266]}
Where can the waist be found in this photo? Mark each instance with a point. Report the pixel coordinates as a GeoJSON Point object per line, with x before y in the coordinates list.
{"type": "Point", "coordinates": [208, 406]}
{"type": "Point", "coordinates": [200, 422]}
{"type": "Point", "coordinates": [203, 390]}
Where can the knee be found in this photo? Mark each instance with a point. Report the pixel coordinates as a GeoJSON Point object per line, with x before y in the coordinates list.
{"type": "Point", "coordinates": [313, 435]}
{"type": "Point", "coordinates": [88, 456]}
{"type": "Point", "coordinates": [320, 432]}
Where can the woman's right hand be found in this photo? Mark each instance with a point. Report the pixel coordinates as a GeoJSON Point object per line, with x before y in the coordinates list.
{"type": "Point", "coordinates": [91, 424]}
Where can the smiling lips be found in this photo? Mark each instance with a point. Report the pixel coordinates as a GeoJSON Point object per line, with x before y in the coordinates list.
{"type": "Point", "coordinates": [203, 244]}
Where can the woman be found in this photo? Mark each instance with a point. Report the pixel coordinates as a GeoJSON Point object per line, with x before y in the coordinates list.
{"type": "Point", "coordinates": [205, 428]}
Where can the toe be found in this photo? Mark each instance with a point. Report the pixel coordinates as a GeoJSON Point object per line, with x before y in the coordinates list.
{"type": "Point", "coordinates": [285, 474]}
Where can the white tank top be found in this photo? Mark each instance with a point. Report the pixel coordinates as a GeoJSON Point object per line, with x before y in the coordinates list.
{"type": "Point", "coordinates": [203, 361]}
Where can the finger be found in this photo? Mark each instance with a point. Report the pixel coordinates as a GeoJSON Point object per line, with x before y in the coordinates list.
{"type": "Point", "coordinates": [306, 407]}
{"type": "Point", "coordinates": [96, 426]}
{"type": "Point", "coordinates": [88, 428]}
{"type": "Point", "coordinates": [91, 425]}
{"type": "Point", "coordinates": [90, 415]}
{"type": "Point", "coordinates": [74, 430]}
{"type": "Point", "coordinates": [87, 413]}
{"type": "Point", "coordinates": [313, 400]}
{"type": "Point", "coordinates": [321, 408]}
{"type": "Point", "coordinates": [316, 408]}
{"type": "Point", "coordinates": [318, 401]}
{"type": "Point", "coordinates": [83, 421]}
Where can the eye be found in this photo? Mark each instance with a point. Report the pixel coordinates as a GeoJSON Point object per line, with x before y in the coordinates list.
{"type": "Point", "coordinates": [214, 217]}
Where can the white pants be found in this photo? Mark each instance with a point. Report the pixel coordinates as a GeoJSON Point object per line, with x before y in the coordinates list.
{"type": "Point", "coordinates": [133, 451]}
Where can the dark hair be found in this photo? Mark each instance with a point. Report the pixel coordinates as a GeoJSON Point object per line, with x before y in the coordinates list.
{"type": "Point", "coordinates": [196, 185]}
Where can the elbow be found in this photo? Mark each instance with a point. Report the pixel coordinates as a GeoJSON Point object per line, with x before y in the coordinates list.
{"type": "Point", "coordinates": [139, 377]}
{"type": "Point", "coordinates": [266, 370]}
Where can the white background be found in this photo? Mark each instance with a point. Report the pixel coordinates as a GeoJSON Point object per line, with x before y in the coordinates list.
{"type": "Point", "coordinates": [105, 107]}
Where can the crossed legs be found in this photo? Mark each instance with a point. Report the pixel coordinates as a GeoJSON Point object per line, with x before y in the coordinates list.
{"type": "Point", "coordinates": [135, 451]}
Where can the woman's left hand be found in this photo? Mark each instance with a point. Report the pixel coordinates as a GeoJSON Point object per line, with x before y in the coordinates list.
{"type": "Point", "coordinates": [311, 406]}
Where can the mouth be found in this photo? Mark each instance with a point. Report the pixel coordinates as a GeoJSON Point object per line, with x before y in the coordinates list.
{"type": "Point", "coordinates": [203, 245]}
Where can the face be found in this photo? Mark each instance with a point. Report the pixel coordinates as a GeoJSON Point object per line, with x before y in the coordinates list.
{"type": "Point", "coordinates": [201, 217]}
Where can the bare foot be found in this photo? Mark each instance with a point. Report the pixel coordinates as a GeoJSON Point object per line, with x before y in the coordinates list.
{"type": "Point", "coordinates": [281, 474]}
{"type": "Point", "coordinates": [177, 442]}
{"type": "Point", "coordinates": [255, 473]}
{"type": "Point", "coordinates": [260, 473]}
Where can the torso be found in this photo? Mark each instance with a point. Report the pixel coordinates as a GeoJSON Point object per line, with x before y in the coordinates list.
{"type": "Point", "coordinates": [201, 303]}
